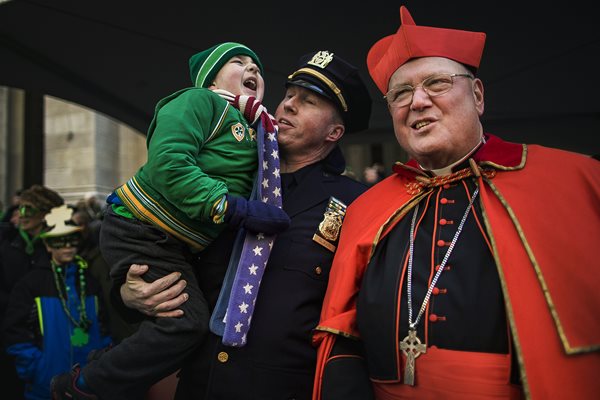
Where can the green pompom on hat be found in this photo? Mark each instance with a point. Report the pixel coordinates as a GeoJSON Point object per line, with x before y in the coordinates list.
{"type": "Point", "coordinates": [205, 65]}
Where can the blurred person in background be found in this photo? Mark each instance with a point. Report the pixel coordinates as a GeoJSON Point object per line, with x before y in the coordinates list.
{"type": "Point", "coordinates": [53, 319]}
{"type": "Point", "coordinates": [22, 250]}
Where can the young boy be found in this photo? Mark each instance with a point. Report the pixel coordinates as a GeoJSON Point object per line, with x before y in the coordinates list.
{"type": "Point", "coordinates": [201, 168]}
{"type": "Point", "coordinates": [52, 320]}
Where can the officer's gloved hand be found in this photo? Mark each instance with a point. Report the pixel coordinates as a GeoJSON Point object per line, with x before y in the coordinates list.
{"type": "Point", "coordinates": [255, 216]}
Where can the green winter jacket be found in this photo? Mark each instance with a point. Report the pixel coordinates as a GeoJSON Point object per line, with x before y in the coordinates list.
{"type": "Point", "coordinates": [199, 149]}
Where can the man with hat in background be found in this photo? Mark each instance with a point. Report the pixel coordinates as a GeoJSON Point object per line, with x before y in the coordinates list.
{"type": "Point", "coordinates": [469, 273]}
{"type": "Point", "coordinates": [324, 100]}
{"type": "Point", "coordinates": [21, 247]}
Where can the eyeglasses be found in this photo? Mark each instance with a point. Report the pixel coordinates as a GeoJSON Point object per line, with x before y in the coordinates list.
{"type": "Point", "coordinates": [435, 85]}
{"type": "Point", "coordinates": [28, 211]}
{"type": "Point", "coordinates": [59, 242]}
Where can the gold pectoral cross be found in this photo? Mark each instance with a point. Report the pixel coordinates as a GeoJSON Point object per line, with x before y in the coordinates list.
{"type": "Point", "coordinates": [412, 348]}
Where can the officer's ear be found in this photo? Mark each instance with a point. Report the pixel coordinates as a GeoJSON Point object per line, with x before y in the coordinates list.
{"type": "Point", "coordinates": [336, 131]}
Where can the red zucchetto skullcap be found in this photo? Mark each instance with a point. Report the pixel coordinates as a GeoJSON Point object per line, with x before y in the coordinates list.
{"type": "Point", "coordinates": [412, 41]}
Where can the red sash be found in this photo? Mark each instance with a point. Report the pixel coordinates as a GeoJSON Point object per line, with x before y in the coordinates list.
{"type": "Point", "coordinates": [450, 374]}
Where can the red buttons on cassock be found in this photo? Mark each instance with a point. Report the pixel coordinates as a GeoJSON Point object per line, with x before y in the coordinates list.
{"type": "Point", "coordinates": [443, 221]}
{"type": "Point", "coordinates": [436, 318]}
{"type": "Point", "coordinates": [444, 200]}
{"type": "Point", "coordinates": [437, 291]}
{"type": "Point", "coordinates": [446, 186]}
{"type": "Point", "coordinates": [441, 243]}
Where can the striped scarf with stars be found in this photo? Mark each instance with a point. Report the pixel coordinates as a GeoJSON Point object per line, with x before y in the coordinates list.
{"type": "Point", "coordinates": [233, 313]}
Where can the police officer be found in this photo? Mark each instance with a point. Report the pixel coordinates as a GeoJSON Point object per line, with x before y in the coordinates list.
{"type": "Point", "coordinates": [325, 98]}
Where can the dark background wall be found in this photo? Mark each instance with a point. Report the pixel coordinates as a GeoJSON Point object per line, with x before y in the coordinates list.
{"type": "Point", "coordinates": [540, 66]}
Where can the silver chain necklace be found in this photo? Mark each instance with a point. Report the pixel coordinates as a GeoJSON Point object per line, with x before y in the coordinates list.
{"type": "Point", "coordinates": [411, 345]}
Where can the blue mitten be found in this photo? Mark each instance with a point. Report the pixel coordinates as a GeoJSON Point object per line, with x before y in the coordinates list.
{"type": "Point", "coordinates": [255, 215]}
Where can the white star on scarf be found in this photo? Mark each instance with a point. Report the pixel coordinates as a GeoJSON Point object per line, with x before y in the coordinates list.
{"type": "Point", "coordinates": [248, 288]}
{"type": "Point", "coordinates": [253, 269]}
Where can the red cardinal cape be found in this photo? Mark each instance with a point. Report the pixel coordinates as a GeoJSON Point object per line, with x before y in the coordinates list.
{"type": "Point", "coordinates": [541, 210]}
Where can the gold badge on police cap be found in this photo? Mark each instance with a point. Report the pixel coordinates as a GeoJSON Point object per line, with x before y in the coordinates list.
{"type": "Point", "coordinates": [329, 229]}
{"type": "Point", "coordinates": [321, 59]}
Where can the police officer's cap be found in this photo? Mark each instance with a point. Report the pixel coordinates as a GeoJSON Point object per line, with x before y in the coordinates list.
{"type": "Point", "coordinates": [337, 80]}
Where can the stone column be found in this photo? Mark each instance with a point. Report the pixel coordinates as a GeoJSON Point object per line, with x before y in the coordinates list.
{"type": "Point", "coordinates": [11, 142]}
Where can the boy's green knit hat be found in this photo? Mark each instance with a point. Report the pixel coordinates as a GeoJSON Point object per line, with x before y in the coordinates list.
{"type": "Point", "coordinates": [205, 65]}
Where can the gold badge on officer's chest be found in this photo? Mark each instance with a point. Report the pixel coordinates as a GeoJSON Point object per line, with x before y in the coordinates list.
{"type": "Point", "coordinates": [321, 59]}
{"type": "Point", "coordinates": [252, 133]}
{"type": "Point", "coordinates": [238, 131]}
{"type": "Point", "coordinates": [329, 229]}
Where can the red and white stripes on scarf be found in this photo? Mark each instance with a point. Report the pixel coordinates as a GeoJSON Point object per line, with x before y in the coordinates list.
{"type": "Point", "coordinates": [250, 107]}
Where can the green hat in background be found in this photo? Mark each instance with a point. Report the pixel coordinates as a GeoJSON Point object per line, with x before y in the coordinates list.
{"type": "Point", "coordinates": [205, 65]}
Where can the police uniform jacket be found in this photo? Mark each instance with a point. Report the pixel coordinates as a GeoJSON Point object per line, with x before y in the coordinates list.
{"type": "Point", "coordinates": [278, 361]}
